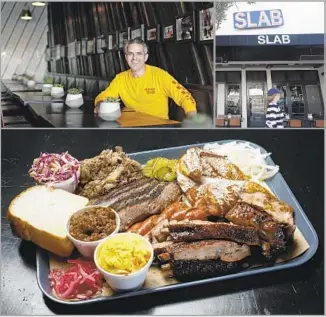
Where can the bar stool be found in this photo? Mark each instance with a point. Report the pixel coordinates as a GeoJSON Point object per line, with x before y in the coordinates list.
{"type": "Point", "coordinates": [220, 122]}
{"type": "Point", "coordinates": [295, 123]}
{"type": "Point", "coordinates": [235, 123]}
{"type": "Point", "coordinates": [320, 124]}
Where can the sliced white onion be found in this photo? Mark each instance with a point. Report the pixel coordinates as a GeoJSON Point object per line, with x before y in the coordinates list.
{"type": "Point", "coordinates": [250, 160]}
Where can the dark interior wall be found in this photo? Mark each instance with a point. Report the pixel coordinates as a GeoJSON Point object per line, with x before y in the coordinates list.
{"type": "Point", "coordinates": [190, 63]}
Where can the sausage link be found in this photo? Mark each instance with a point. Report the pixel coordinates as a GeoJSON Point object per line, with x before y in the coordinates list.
{"type": "Point", "coordinates": [196, 214]}
{"type": "Point", "coordinates": [134, 228]}
{"type": "Point", "coordinates": [147, 225]}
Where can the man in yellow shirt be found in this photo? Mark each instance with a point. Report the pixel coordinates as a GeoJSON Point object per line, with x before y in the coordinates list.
{"type": "Point", "coordinates": [146, 88]}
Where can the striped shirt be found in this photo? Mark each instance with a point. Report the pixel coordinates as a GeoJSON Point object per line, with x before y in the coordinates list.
{"type": "Point", "coordinates": [274, 116]}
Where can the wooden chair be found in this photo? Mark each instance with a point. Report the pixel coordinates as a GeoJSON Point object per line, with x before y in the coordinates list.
{"type": "Point", "coordinates": [220, 122]}
{"type": "Point", "coordinates": [235, 123]}
{"type": "Point", "coordinates": [320, 124]}
{"type": "Point", "coordinates": [295, 123]}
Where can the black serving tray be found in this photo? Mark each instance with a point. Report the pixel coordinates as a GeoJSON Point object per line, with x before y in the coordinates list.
{"type": "Point", "coordinates": [277, 184]}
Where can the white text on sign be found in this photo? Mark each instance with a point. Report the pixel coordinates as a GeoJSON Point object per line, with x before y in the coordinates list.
{"type": "Point", "coordinates": [258, 19]}
{"type": "Point", "coordinates": [274, 39]}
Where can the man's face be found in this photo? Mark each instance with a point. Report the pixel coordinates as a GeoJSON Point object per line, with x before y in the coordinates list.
{"type": "Point", "coordinates": [277, 98]}
{"type": "Point", "coordinates": [136, 57]}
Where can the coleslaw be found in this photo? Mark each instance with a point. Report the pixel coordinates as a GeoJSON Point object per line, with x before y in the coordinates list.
{"type": "Point", "coordinates": [54, 168]}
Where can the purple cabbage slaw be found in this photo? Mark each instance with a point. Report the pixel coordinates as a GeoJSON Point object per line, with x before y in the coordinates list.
{"type": "Point", "coordinates": [54, 167]}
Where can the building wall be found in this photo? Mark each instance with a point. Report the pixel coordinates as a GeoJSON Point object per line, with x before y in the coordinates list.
{"type": "Point", "coordinates": [23, 43]}
{"type": "Point", "coordinates": [299, 18]}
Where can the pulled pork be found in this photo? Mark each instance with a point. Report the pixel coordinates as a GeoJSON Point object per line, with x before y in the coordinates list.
{"type": "Point", "coordinates": [106, 171]}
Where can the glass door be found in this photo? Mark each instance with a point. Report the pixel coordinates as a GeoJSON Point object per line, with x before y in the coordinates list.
{"type": "Point", "coordinates": [256, 94]}
{"type": "Point", "coordinates": [233, 106]}
{"type": "Point", "coordinates": [297, 101]}
{"type": "Point", "coordinates": [314, 100]}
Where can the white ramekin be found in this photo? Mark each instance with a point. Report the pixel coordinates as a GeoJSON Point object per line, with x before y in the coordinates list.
{"type": "Point", "coordinates": [87, 248]}
{"type": "Point", "coordinates": [68, 185]}
{"type": "Point", "coordinates": [130, 282]}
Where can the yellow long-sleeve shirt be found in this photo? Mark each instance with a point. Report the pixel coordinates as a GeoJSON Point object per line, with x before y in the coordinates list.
{"type": "Point", "coordinates": [148, 93]}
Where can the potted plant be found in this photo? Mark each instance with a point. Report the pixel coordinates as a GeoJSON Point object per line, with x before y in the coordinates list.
{"type": "Point", "coordinates": [26, 79]}
{"type": "Point", "coordinates": [31, 82]}
{"type": "Point", "coordinates": [47, 85]}
{"type": "Point", "coordinates": [74, 98]}
{"type": "Point", "coordinates": [57, 91]}
{"type": "Point", "coordinates": [109, 109]}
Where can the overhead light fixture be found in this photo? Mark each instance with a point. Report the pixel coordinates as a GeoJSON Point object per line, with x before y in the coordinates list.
{"type": "Point", "coordinates": [38, 3]}
{"type": "Point", "coordinates": [26, 14]}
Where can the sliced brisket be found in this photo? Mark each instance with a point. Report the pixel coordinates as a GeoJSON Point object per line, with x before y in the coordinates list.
{"type": "Point", "coordinates": [140, 199]}
{"type": "Point", "coordinates": [201, 230]}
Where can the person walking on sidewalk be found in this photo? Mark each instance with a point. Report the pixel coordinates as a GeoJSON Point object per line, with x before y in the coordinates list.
{"type": "Point", "coordinates": [274, 114]}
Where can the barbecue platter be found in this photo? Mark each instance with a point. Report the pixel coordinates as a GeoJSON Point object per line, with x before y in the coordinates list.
{"type": "Point", "coordinates": [109, 220]}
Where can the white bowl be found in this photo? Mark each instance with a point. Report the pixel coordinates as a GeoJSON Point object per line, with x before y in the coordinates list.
{"type": "Point", "coordinates": [87, 248]}
{"type": "Point", "coordinates": [68, 185]}
{"type": "Point", "coordinates": [74, 101]}
{"type": "Point", "coordinates": [57, 92]}
{"type": "Point", "coordinates": [46, 89]}
{"type": "Point", "coordinates": [130, 282]}
{"type": "Point", "coordinates": [31, 83]}
{"type": "Point", "coordinates": [109, 111]}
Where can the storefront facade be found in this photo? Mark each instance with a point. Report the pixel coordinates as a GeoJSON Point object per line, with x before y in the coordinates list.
{"type": "Point", "coordinates": [265, 45]}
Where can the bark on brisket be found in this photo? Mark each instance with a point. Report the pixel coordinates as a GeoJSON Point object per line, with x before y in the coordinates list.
{"type": "Point", "coordinates": [201, 230]}
{"type": "Point", "coordinates": [195, 269]}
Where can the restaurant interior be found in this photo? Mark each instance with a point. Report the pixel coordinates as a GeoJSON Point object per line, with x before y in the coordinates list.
{"type": "Point", "coordinates": [50, 48]}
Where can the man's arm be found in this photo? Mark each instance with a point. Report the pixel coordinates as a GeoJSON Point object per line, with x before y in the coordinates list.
{"type": "Point", "coordinates": [111, 91]}
{"type": "Point", "coordinates": [179, 94]}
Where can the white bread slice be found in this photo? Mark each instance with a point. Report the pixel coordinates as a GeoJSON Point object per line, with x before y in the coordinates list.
{"type": "Point", "coordinates": [40, 214]}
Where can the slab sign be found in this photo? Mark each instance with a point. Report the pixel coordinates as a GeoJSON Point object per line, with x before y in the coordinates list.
{"type": "Point", "coordinates": [273, 39]}
{"type": "Point", "coordinates": [258, 19]}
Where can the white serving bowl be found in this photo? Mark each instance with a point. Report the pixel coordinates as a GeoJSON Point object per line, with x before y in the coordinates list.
{"type": "Point", "coordinates": [57, 92]}
{"type": "Point", "coordinates": [109, 111]}
{"type": "Point", "coordinates": [31, 83]}
{"type": "Point", "coordinates": [46, 89]}
{"type": "Point", "coordinates": [74, 101]}
{"type": "Point", "coordinates": [130, 282]}
{"type": "Point", "coordinates": [87, 248]}
{"type": "Point", "coordinates": [68, 185]}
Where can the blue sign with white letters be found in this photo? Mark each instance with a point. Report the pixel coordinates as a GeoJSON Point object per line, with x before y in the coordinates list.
{"type": "Point", "coordinates": [258, 19]}
{"type": "Point", "coordinates": [270, 39]}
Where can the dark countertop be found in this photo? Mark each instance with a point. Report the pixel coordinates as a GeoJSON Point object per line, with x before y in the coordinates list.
{"type": "Point", "coordinates": [47, 111]}
{"type": "Point", "coordinates": [300, 290]}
